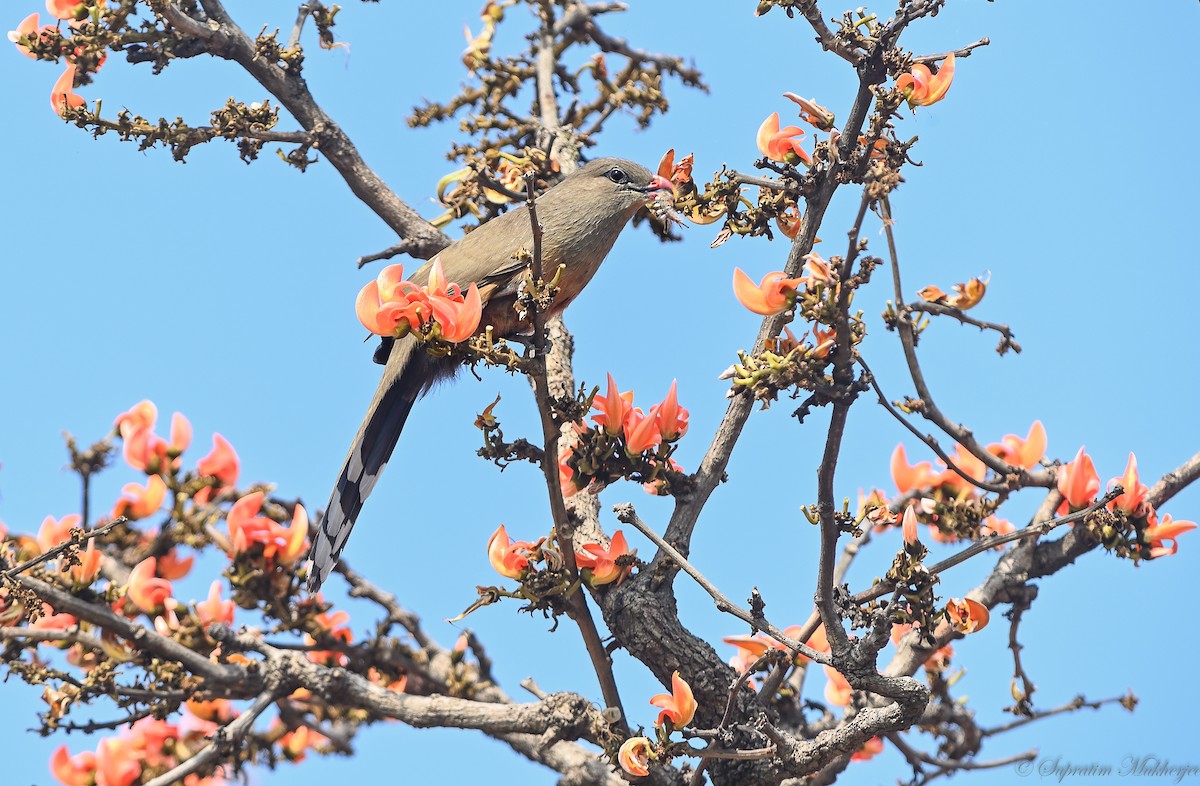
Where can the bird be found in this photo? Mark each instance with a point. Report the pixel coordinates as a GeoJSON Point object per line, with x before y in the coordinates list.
{"type": "Point", "coordinates": [581, 217]}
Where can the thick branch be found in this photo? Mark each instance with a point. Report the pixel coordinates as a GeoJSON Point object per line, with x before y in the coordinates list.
{"type": "Point", "coordinates": [225, 39]}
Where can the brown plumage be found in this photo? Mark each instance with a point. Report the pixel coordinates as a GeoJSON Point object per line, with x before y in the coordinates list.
{"type": "Point", "coordinates": [581, 218]}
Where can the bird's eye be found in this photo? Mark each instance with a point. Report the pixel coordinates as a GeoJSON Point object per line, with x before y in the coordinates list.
{"type": "Point", "coordinates": [617, 175]}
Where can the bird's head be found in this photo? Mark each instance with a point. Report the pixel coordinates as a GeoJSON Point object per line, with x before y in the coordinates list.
{"type": "Point", "coordinates": [616, 185]}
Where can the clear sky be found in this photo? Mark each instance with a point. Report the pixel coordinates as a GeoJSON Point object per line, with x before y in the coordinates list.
{"type": "Point", "coordinates": [1060, 162]}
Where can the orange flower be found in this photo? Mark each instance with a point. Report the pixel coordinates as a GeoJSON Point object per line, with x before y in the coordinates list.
{"type": "Point", "coordinates": [296, 742]}
{"type": "Point", "coordinates": [870, 749]}
{"type": "Point", "coordinates": [642, 432]}
{"type": "Point", "coordinates": [909, 525]}
{"type": "Point", "coordinates": [837, 690]}
{"type": "Point", "coordinates": [77, 770]}
{"type": "Point", "coordinates": [966, 615]}
{"type": "Point", "coordinates": [391, 305]}
{"type": "Point", "coordinates": [220, 463]}
{"type": "Point", "coordinates": [672, 418]}
{"type": "Point", "coordinates": [141, 415]}
{"type": "Point", "coordinates": [170, 566]}
{"type": "Point", "coordinates": [812, 112]}
{"type": "Point", "coordinates": [995, 526]}
{"type": "Point", "coordinates": [773, 295]}
{"type": "Point", "coordinates": [781, 144]}
{"type": "Point", "coordinates": [146, 591]}
{"type": "Point", "coordinates": [336, 627]}
{"type": "Point", "coordinates": [138, 502]}
{"type": "Point", "coordinates": [966, 295]}
{"type": "Point", "coordinates": [634, 756]}
{"type": "Point", "coordinates": [600, 563]}
{"type": "Point", "coordinates": [457, 314]}
{"type": "Point", "coordinates": [52, 620]}
{"type": "Point", "coordinates": [510, 559]}
{"type": "Point", "coordinates": [1078, 483]}
{"type": "Point", "coordinates": [566, 475]}
{"type": "Point", "coordinates": [142, 448]}
{"type": "Point", "coordinates": [939, 661]}
{"type": "Point", "coordinates": [677, 173]}
{"type": "Point", "coordinates": [933, 294]}
{"type": "Point", "coordinates": [28, 29]}
{"type": "Point", "coordinates": [678, 706]}
{"type": "Point", "coordinates": [280, 545]}
{"type": "Point", "coordinates": [148, 739]}
{"type": "Point", "coordinates": [117, 763]}
{"type": "Point", "coordinates": [294, 542]}
{"type": "Point", "coordinates": [181, 434]}
{"type": "Point", "coordinates": [818, 269]}
{"type": "Point", "coordinates": [789, 222]}
{"type": "Point", "coordinates": [63, 9]}
{"type": "Point", "coordinates": [751, 648]}
{"type": "Point", "coordinates": [55, 532]}
{"type": "Point", "coordinates": [908, 477]}
{"type": "Point", "coordinates": [1019, 452]}
{"type": "Point", "coordinates": [88, 568]}
{"type": "Point", "coordinates": [214, 609]}
{"type": "Point", "coordinates": [213, 710]}
{"type": "Point", "coordinates": [1133, 501]}
{"type": "Point", "coordinates": [614, 408]}
{"type": "Point", "coordinates": [62, 95]}
{"type": "Point", "coordinates": [921, 87]}
{"type": "Point", "coordinates": [1159, 532]}
{"type": "Point", "coordinates": [969, 294]}
{"type": "Point", "coordinates": [823, 341]}
{"type": "Point", "coordinates": [658, 487]}
{"type": "Point", "coordinates": [966, 461]}
{"type": "Point", "coordinates": [397, 685]}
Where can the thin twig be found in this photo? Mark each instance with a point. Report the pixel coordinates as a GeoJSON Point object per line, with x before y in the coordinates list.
{"type": "Point", "coordinates": [960, 52]}
{"type": "Point", "coordinates": [1077, 703]}
{"type": "Point", "coordinates": [928, 439]}
{"type": "Point", "coordinates": [72, 542]}
{"type": "Point", "coordinates": [627, 515]}
{"type": "Point", "coordinates": [577, 600]}
{"type": "Point", "coordinates": [843, 377]}
{"type": "Point", "coordinates": [301, 14]}
{"type": "Point", "coordinates": [992, 541]}
{"type": "Point", "coordinates": [946, 311]}
{"type": "Point", "coordinates": [223, 38]}
{"type": "Point", "coordinates": [137, 635]}
{"type": "Point", "coordinates": [906, 330]}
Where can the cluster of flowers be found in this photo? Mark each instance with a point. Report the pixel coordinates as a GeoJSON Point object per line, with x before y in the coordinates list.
{"type": "Point", "coordinates": [678, 708]}
{"type": "Point", "coordinates": [598, 565]}
{"type": "Point", "coordinates": [30, 30]}
{"type": "Point", "coordinates": [148, 745]}
{"type": "Point", "coordinates": [920, 87]}
{"type": "Point", "coordinates": [392, 306]}
{"type": "Point", "coordinates": [1077, 481]}
{"type": "Point", "coordinates": [639, 442]}
{"type": "Point", "coordinates": [776, 292]}
{"type": "Point", "coordinates": [253, 540]}
{"type": "Point", "coordinates": [936, 490]}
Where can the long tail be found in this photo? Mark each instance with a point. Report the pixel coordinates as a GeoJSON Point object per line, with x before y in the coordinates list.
{"type": "Point", "coordinates": [407, 374]}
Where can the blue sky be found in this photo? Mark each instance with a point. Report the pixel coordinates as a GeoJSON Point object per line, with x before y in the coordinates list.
{"type": "Point", "coordinates": [1060, 162]}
